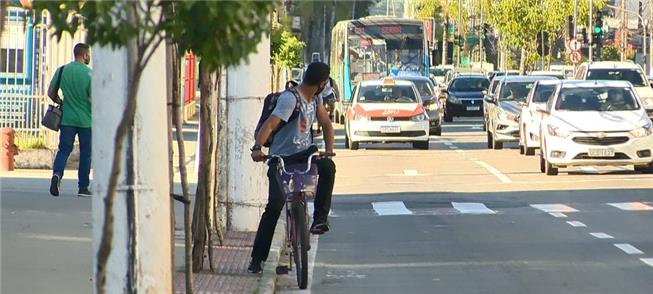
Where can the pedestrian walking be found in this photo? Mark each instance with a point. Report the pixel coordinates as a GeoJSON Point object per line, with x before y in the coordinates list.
{"type": "Point", "coordinates": [74, 80]}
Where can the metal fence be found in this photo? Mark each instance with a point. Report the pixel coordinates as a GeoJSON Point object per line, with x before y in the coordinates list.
{"type": "Point", "coordinates": [23, 113]}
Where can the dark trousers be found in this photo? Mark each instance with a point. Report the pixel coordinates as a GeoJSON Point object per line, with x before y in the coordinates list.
{"type": "Point", "coordinates": [276, 200]}
{"type": "Point", "coordinates": [66, 141]}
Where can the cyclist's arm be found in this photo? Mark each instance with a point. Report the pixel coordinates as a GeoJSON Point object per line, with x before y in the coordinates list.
{"type": "Point", "coordinates": [269, 125]}
{"type": "Point", "coordinates": [327, 128]}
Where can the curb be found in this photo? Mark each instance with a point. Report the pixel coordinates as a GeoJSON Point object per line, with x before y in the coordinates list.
{"type": "Point", "coordinates": [267, 283]}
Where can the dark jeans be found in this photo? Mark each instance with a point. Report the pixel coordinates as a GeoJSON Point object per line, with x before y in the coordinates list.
{"type": "Point", "coordinates": [66, 141]}
{"type": "Point", "coordinates": [276, 201]}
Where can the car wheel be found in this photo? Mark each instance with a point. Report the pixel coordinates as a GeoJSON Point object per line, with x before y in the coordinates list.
{"type": "Point", "coordinates": [346, 140]}
{"type": "Point", "coordinates": [542, 163]}
{"type": "Point", "coordinates": [496, 145]}
{"type": "Point", "coordinates": [489, 140]}
{"type": "Point", "coordinates": [549, 169]}
{"type": "Point", "coordinates": [422, 145]}
{"type": "Point", "coordinates": [437, 131]}
{"type": "Point", "coordinates": [522, 142]}
{"type": "Point", "coordinates": [448, 117]}
{"type": "Point", "coordinates": [521, 149]}
{"type": "Point", "coordinates": [529, 151]}
{"type": "Point", "coordinates": [647, 169]}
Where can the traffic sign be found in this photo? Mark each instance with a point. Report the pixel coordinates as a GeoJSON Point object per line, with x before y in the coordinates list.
{"type": "Point", "coordinates": [574, 45]}
{"type": "Point", "coordinates": [575, 57]}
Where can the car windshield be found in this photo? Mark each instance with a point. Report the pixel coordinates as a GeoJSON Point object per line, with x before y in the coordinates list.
{"type": "Point", "coordinates": [634, 76]}
{"type": "Point", "coordinates": [387, 94]}
{"type": "Point", "coordinates": [469, 84]}
{"type": "Point", "coordinates": [515, 91]}
{"type": "Point", "coordinates": [424, 88]}
{"type": "Point", "coordinates": [597, 99]}
{"type": "Point", "coordinates": [439, 72]}
{"type": "Point", "coordinates": [542, 93]}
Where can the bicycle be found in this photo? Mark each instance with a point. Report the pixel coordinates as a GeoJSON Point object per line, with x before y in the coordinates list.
{"type": "Point", "coordinates": [296, 185]}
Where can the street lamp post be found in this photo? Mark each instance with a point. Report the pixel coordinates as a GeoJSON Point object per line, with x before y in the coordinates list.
{"type": "Point", "coordinates": [460, 30]}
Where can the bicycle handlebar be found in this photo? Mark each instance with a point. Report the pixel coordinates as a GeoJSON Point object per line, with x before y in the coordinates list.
{"type": "Point", "coordinates": [308, 165]}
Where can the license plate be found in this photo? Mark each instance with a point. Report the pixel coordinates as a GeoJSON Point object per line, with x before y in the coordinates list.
{"type": "Point", "coordinates": [473, 108]}
{"type": "Point", "coordinates": [601, 153]}
{"type": "Point", "coordinates": [390, 129]}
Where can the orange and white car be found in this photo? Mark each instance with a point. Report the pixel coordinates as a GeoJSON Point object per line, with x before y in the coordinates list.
{"type": "Point", "coordinates": [384, 111]}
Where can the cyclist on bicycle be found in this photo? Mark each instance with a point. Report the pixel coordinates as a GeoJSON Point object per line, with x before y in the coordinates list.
{"type": "Point", "coordinates": [294, 137]}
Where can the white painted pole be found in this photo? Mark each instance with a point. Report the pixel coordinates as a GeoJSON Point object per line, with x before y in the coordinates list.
{"type": "Point", "coordinates": [151, 259]}
{"type": "Point", "coordinates": [590, 29]}
{"type": "Point", "coordinates": [247, 85]}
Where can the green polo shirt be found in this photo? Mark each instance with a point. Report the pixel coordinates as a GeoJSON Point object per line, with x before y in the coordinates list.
{"type": "Point", "coordinates": [76, 88]}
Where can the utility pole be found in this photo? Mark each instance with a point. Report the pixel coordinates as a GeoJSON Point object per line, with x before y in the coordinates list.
{"type": "Point", "coordinates": [460, 30]}
{"type": "Point", "coordinates": [623, 30]}
{"type": "Point", "coordinates": [445, 35]}
{"type": "Point", "coordinates": [482, 34]}
{"type": "Point", "coordinates": [575, 29]}
{"type": "Point", "coordinates": [590, 28]}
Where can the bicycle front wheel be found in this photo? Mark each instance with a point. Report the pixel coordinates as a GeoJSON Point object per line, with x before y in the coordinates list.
{"type": "Point", "coordinates": [300, 244]}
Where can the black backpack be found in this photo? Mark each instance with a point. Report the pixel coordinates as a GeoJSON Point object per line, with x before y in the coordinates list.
{"type": "Point", "coordinates": [269, 104]}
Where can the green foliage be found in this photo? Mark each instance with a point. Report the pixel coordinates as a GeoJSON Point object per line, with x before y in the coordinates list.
{"type": "Point", "coordinates": [609, 53]}
{"type": "Point", "coordinates": [29, 141]}
{"type": "Point", "coordinates": [286, 49]}
{"type": "Point", "coordinates": [221, 33]}
{"type": "Point", "coordinates": [429, 8]}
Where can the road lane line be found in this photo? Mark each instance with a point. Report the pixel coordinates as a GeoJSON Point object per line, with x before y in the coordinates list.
{"type": "Point", "coordinates": [558, 214]}
{"type": "Point", "coordinates": [460, 151]}
{"type": "Point", "coordinates": [577, 224]}
{"type": "Point", "coordinates": [648, 261]}
{"type": "Point", "coordinates": [628, 249]}
{"type": "Point", "coordinates": [472, 208]}
{"type": "Point", "coordinates": [311, 261]}
{"type": "Point", "coordinates": [632, 206]}
{"type": "Point", "coordinates": [410, 172]}
{"type": "Point", "coordinates": [391, 208]}
{"type": "Point", "coordinates": [45, 237]}
{"type": "Point", "coordinates": [554, 208]}
{"type": "Point", "coordinates": [602, 235]}
{"type": "Point", "coordinates": [453, 147]}
{"type": "Point", "coordinates": [447, 143]}
{"type": "Point", "coordinates": [503, 178]}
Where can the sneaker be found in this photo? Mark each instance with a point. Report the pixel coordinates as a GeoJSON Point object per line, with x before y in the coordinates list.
{"type": "Point", "coordinates": [54, 185]}
{"type": "Point", "coordinates": [320, 228]}
{"type": "Point", "coordinates": [84, 192]}
{"type": "Point", "coordinates": [254, 267]}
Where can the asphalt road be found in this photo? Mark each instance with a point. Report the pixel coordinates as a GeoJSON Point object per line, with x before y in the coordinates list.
{"type": "Point", "coordinates": [460, 218]}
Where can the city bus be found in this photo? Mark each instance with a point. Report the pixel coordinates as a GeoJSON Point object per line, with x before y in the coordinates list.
{"type": "Point", "coordinates": [373, 47]}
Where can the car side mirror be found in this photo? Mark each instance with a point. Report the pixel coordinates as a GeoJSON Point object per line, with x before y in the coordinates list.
{"type": "Point", "coordinates": [428, 102]}
{"type": "Point", "coordinates": [484, 92]}
{"type": "Point", "coordinates": [490, 99]}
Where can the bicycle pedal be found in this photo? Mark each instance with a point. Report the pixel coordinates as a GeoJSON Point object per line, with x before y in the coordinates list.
{"type": "Point", "coordinates": [282, 270]}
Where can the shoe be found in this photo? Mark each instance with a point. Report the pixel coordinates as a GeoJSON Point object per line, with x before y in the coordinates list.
{"type": "Point", "coordinates": [54, 185]}
{"type": "Point", "coordinates": [84, 192]}
{"type": "Point", "coordinates": [254, 267]}
{"type": "Point", "coordinates": [319, 228]}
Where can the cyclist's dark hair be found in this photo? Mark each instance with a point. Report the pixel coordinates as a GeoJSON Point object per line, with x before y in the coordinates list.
{"type": "Point", "coordinates": [316, 73]}
{"type": "Point", "coordinates": [80, 49]}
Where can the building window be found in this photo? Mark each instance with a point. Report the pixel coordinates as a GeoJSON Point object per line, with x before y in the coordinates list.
{"type": "Point", "coordinates": [11, 60]}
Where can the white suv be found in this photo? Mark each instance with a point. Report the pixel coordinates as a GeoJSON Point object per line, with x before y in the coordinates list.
{"type": "Point", "coordinates": [595, 123]}
{"type": "Point", "coordinates": [622, 71]}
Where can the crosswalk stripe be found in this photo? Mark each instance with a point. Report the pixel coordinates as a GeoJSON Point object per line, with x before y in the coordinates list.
{"type": "Point", "coordinates": [391, 208]}
{"type": "Point", "coordinates": [601, 235]}
{"type": "Point", "coordinates": [554, 207]}
{"type": "Point", "coordinates": [472, 208]}
{"type": "Point", "coordinates": [558, 214]}
{"type": "Point", "coordinates": [577, 224]}
{"type": "Point", "coordinates": [648, 261]}
{"type": "Point", "coordinates": [638, 206]}
{"type": "Point", "coordinates": [628, 249]}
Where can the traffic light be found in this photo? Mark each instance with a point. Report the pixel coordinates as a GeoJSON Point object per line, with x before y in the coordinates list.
{"type": "Point", "coordinates": [460, 41]}
{"type": "Point", "coordinates": [485, 32]}
{"type": "Point", "coordinates": [597, 36]}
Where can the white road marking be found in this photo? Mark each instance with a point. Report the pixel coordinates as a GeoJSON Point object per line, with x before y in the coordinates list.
{"type": "Point", "coordinates": [472, 208]}
{"type": "Point", "coordinates": [648, 261]}
{"type": "Point", "coordinates": [410, 172]}
{"type": "Point", "coordinates": [391, 208]}
{"type": "Point", "coordinates": [554, 208]}
{"type": "Point", "coordinates": [602, 235]}
{"type": "Point", "coordinates": [453, 147]}
{"type": "Point", "coordinates": [628, 249]}
{"type": "Point", "coordinates": [558, 214]}
{"type": "Point", "coordinates": [503, 178]}
{"type": "Point", "coordinates": [311, 261]}
{"type": "Point", "coordinates": [447, 143]}
{"type": "Point", "coordinates": [460, 151]}
{"type": "Point", "coordinates": [637, 206]}
{"type": "Point", "coordinates": [45, 237]}
{"type": "Point", "coordinates": [476, 128]}
{"type": "Point", "coordinates": [577, 224]}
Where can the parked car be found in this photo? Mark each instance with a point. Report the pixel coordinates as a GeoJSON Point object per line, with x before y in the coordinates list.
{"type": "Point", "coordinates": [502, 111]}
{"type": "Point", "coordinates": [387, 110]}
{"type": "Point", "coordinates": [464, 96]}
{"type": "Point", "coordinates": [435, 108]}
{"type": "Point", "coordinates": [530, 117]}
{"type": "Point", "coordinates": [489, 94]}
{"type": "Point", "coordinates": [595, 123]}
{"type": "Point", "coordinates": [556, 74]}
{"type": "Point", "coordinates": [620, 71]}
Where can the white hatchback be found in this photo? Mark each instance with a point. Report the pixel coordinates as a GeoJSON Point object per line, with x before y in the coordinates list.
{"type": "Point", "coordinates": [530, 117]}
{"type": "Point", "coordinates": [595, 123]}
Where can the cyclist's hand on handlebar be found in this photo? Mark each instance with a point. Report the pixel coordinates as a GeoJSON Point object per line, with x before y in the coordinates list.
{"type": "Point", "coordinates": [259, 156]}
{"type": "Point", "coordinates": [327, 154]}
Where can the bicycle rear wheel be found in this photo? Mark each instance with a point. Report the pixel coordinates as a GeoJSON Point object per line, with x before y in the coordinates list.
{"type": "Point", "coordinates": [300, 244]}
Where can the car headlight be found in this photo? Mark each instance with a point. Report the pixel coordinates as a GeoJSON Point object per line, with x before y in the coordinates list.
{"type": "Point", "coordinates": [454, 99]}
{"type": "Point", "coordinates": [648, 102]}
{"type": "Point", "coordinates": [558, 131]}
{"type": "Point", "coordinates": [642, 131]}
{"type": "Point", "coordinates": [503, 115]}
{"type": "Point", "coordinates": [419, 117]}
{"type": "Point", "coordinates": [361, 117]}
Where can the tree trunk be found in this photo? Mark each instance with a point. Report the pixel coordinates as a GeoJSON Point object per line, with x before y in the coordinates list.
{"type": "Point", "coordinates": [170, 77]}
{"type": "Point", "coordinates": [217, 222]}
{"type": "Point", "coordinates": [522, 61]}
